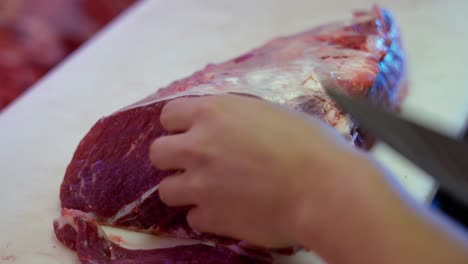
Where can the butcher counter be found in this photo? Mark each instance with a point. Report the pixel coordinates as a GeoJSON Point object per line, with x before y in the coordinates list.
{"type": "Point", "coordinates": [158, 41]}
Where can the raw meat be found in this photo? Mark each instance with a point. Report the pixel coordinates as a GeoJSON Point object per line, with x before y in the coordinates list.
{"type": "Point", "coordinates": [79, 232]}
{"type": "Point", "coordinates": [110, 175]}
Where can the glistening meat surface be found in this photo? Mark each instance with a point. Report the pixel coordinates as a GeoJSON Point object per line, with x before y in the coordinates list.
{"type": "Point", "coordinates": [110, 176]}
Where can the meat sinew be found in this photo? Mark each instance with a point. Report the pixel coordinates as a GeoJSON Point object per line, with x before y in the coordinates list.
{"type": "Point", "coordinates": [110, 176]}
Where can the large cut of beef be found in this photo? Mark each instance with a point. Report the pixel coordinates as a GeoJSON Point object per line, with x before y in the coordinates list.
{"type": "Point", "coordinates": [110, 178]}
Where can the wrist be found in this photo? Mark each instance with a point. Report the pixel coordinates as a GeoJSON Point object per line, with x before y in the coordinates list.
{"type": "Point", "coordinates": [370, 223]}
{"type": "Point", "coordinates": [331, 225]}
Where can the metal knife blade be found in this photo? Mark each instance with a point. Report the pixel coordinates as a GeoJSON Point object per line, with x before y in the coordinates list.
{"type": "Point", "coordinates": [442, 157]}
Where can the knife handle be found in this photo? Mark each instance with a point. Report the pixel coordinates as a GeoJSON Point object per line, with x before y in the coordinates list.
{"type": "Point", "coordinates": [450, 206]}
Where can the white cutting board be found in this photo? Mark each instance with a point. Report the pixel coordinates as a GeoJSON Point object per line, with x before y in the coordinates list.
{"type": "Point", "coordinates": [160, 41]}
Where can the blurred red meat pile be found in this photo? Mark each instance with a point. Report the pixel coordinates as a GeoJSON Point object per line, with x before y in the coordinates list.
{"type": "Point", "coordinates": [35, 35]}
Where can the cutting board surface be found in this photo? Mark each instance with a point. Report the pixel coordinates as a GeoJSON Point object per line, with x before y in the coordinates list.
{"type": "Point", "coordinates": [159, 41]}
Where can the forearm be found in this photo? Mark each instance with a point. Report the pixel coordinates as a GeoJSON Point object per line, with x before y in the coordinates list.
{"type": "Point", "coordinates": [378, 224]}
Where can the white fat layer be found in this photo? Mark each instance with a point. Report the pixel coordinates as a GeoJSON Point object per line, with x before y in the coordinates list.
{"type": "Point", "coordinates": [66, 220]}
{"type": "Point", "coordinates": [204, 89]}
{"type": "Point", "coordinates": [127, 209]}
{"type": "Point", "coordinates": [237, 249]}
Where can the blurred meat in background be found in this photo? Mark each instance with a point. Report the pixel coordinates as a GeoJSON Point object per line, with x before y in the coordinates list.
{"type": "Point", "coordinates": [35, 35]}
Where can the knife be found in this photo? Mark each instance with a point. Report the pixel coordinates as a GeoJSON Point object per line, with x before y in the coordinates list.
{"type": "Point", "coordinates": [442, 157]}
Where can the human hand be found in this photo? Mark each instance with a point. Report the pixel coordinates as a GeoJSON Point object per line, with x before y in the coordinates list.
{"type": "Point", "coordinates": [251, 167]}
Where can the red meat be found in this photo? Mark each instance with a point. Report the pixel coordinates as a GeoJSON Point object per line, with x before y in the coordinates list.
{"type": "Point", "coordinates": [110, 175]}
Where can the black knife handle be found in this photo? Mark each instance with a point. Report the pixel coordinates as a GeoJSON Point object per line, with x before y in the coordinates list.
{"type": "Point", "coordinates": [449, 205]}
{"type": "Point", "coordinates": [465, 137]}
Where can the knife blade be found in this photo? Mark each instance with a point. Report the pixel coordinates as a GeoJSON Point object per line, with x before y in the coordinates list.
{"type": "Point", "coordinates": [442, 157]}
